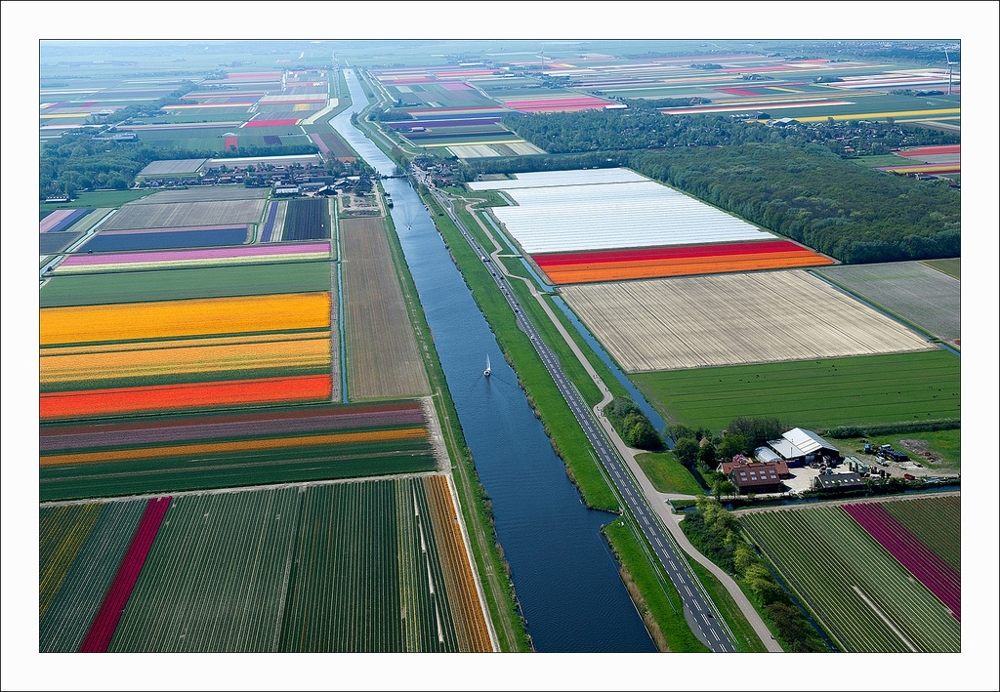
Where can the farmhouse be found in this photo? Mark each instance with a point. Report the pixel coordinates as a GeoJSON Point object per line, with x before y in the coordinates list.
{"type": "Point", "coordinates": [799, 446]}
{"type": "Point", "coordinates": [756, 477]}
{"type": "Point", "coordinates": [829, 482]}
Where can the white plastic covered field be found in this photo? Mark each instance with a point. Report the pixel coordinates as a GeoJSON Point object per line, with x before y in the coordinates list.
{"type": "Point", "coordinates": [604, 209]}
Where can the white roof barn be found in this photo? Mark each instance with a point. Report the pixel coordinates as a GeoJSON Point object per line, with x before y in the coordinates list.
{"type": "Point", "coordinates": [808, 441]}
{"type": "Point", "coordinates": [798, 443]}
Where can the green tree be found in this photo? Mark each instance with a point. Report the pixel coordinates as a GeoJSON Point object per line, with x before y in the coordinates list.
{"type": "Point", "coordinates": [706, 455]}
{"type": "Point", "coordinates": [686, 450]}
{"type": "Point", "coordinates": [730, 446]}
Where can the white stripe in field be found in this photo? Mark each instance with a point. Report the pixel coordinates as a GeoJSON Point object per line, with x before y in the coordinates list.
{"type": "Point", "coordinates": [560, 178]}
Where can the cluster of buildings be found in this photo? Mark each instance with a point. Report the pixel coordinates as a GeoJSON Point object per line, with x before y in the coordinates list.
{"type": "Point", "coordinates": [288, 176]}
{"type": "Point", "coordinates": [795, 448]}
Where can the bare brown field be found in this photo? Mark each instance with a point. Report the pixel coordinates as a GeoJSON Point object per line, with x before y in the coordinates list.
{"type": "Point", "coordinates": [382, 356]}
{"type": "Point", "coordinates": [672, 324]}
{"type": "Point", "coordinates": [466, 609]}
{"type": "Point", "coordinates": [186, 214]}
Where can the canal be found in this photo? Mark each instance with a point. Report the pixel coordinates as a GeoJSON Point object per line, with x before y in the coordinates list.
{"type": "Point", "coordinates": [563, 571]}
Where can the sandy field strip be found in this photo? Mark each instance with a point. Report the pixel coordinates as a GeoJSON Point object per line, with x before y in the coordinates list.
{"type": "Point", "coordinates": [917, 293]}
{"type": "Point", "coordinates": [670, 324]}
{"type": "Point", "coordinates": [141, 216]}
{"type": "Point", "coordinates": [382, 355]}
{"type": "Point", "coordinates": [205, 193]}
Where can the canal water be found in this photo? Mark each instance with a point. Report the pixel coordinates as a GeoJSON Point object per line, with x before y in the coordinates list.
{"type": "Point", "coordinates": [563, 571]}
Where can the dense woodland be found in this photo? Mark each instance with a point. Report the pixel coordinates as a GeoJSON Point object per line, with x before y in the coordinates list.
{"type": "Point", "coordinates": [642, 126]}
{"type": "Point", "coordinates": [791, 180]}
{"type": "Point", "coordinates": [810, 195]}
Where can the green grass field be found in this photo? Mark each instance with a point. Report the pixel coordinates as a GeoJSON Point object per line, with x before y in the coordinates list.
{"type": "Point", "coordinates": [951, 267]}
{"type": "Point", "coordinates": [101, 198]}
{"type": "Point", "coordinates": [181, 284]}
{"type": "Point", "coordinates": [864, 390]}
{"type": "Point", "coordinates": [879, 161]}
{"type": "Point", "coordinates": [668, 475]}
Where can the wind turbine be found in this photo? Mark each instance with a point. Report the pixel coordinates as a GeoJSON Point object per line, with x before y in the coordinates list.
{"type": "Point", "coordinates": [950, 63]}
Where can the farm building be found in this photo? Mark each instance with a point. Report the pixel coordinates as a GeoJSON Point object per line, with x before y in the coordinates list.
{"type": "Point", "coordinates": [756, 477]}
{"type": "Point", "coordinates": [799, 446]}
{"type": "Point", "coordinates": [838, 481]}
{"type": "Point", "coordinates": [766, 455]}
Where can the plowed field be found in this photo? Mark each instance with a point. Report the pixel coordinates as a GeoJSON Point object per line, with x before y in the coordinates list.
{"type": "Point", "coordinates": [696, 322]}
{"type": "Point", "coordinates": [382, 356]}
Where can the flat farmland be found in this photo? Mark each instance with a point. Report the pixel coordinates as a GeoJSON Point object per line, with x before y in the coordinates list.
{"type": "Point", "coordinates": [864, 596]}
{"type": "Point", "coordinates": [214, 580]}
{"type": "Point", "coordinates": [189, 258]}
{"type": "Point", "coordinates": [648, 263]}
{"type": "Point", "coordinates": [171, 167]}
{"type": "Point", "coordinates": [951, 267]}
{"type": "Point", "coordinates": [306, 219]}
{"type": "Point", "coordinates": [383, 360]}
{"type": "Point", "coordinates": [164, 239]}
{"type": "Point", "coordinates": [696, 322]}
{"type": "Point", "coordinates": [861, 391]}
{"type": "Point", "coordinates": [54, 243]}
{"type": "Point", "coordinates": [205, 193]}
{"type": "Point", "coordinates": [119, 287]}
{"type": "Point", "coordinates": [194, 451]}
{"type": "Point", "coordinates": [921, 295]}
{"type": "Point", "coordinates": [377, 566]}
{"type": "Point", "coordinates": [370, 576]}
{"type": "Point", "coordinates": [80, 550]}
{"type": "Point", "coordinates": [112, 360]}
{"type": "Point", "coordinates": [141, 216]}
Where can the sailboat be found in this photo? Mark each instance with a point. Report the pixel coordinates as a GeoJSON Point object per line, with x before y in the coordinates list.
{"type": "Point", "coordinates": [487, 371]}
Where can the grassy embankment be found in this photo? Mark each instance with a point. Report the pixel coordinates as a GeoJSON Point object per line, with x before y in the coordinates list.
{"type": "Point", "coordinates": [494, 573]}
{"type": "Point", "coordinates": [657, 600]}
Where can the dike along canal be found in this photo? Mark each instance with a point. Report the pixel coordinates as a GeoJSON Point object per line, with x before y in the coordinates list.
{"type": "Point", "coordinates": [563, 571]}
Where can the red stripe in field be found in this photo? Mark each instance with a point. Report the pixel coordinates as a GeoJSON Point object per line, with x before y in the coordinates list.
{"type": "Point", "coordinates": [103, 402]}
{"type": "Point", "coordinates": [933, 572]}
{"type": "Point", "coordinates": [931, 150]}
{"type": "Point", "coordinates": [738, 92]}
{"type": "Point", "coordinates": [667, 253]}
{"type": "Point", "coordinates": [230, 142]}
{"type": "Point", "coordinates": [102, 629]}
{"type": "Point", "coordinates": [272, 123]}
